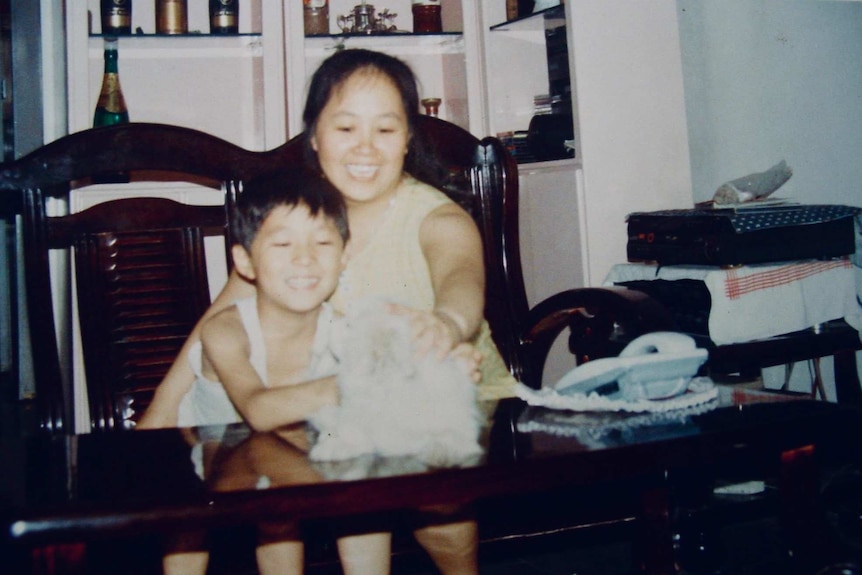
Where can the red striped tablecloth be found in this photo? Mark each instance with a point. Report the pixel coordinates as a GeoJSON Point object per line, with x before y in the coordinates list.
{"type": "Point", "coordinates": [763, 300]}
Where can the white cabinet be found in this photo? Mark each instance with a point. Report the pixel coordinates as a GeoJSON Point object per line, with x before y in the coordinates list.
{"type": "Point", "coordinates": [232, 86]}
{"type": "Point", "coordinates": [550, 237]}
{"type": "Point", "coordinates": [626, 85]}
{"type": "Point", "coordinates": [516, 66]}
{"type": "Point", "coordinates": [447, 65]}
{"type": "Point", "coordinates": [629, 130]}
{"type": "Point", "coordinates": [629, 122]}
{"type": "Point", "coordinates": [631, 115]}
{"type": "Point", "coordinates": [628, 109]}
{"type": "Point", "coordinates": [250, 88]}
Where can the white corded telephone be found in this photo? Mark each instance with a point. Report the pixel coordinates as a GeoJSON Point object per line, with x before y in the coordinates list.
{"type": "Point", "coordinates": [656, 365]}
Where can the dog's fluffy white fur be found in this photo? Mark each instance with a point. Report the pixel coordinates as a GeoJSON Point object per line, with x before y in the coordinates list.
{"type": "Point", "coordinates": [393, 403]}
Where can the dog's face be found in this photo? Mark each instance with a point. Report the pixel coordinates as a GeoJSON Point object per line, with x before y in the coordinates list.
{"type": "Point", "coordinates": [374, 342]}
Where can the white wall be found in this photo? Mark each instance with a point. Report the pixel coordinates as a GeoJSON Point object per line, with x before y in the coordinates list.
{"type": "Point", "coordinates": [767, 80]}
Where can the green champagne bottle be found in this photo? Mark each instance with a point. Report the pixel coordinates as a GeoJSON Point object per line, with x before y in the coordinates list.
{"type": "Point", "coordinates": [111, 107]}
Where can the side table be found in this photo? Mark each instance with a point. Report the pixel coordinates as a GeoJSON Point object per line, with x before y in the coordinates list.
{"type": "Point", "coordinates": [762, 315]}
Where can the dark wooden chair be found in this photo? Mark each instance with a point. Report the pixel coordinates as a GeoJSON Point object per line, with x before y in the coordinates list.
{"type": "Point", "coordinates": [743, 361]}
{"type": "Point", "coordinates": [139, 263]}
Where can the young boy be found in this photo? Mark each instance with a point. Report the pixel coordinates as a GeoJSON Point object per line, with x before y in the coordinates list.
{"type": "Point", "coordinates": [291, 230]}
{"type": "Point", "coordinates": [267, 359]}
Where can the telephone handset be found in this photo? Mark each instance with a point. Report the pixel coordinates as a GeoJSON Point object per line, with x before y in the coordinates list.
{"type": "Point", "coordinates": [656, 365]}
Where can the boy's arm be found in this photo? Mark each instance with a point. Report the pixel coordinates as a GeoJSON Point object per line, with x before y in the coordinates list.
{"type": "Point", "coordinates": [226, 350]}
{"type": "Point", "coordinates": [162, 412]}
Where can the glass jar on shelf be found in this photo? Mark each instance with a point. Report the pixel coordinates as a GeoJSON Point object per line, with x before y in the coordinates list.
{"type": "Point", "coordinates": [427, 16]}
{"type": "Point", "coordinates": [316, 17]}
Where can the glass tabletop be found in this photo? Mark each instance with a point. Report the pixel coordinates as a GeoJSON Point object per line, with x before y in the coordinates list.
{"type": "Point", "coordinates": [157, 478]}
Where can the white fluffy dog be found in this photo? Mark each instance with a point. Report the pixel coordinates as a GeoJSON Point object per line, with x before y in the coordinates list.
{"type": "Point", "coordinates": [393, 403]}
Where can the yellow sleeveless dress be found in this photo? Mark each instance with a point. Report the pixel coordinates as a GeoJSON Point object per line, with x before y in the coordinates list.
{"type": "Point", "coordinates": [392, 265]}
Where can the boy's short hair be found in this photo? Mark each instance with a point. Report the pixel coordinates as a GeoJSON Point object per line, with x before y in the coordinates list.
{"type": "Point", "coordinates": [291, 188]}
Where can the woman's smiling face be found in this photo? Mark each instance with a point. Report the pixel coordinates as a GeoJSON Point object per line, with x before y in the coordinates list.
{"type": "Point", "coordinates": [361, 137]}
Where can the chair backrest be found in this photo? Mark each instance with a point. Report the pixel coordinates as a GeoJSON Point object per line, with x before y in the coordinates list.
{"type": "Point", "coordinates": [141, 278]}
{"type": "Point", "coordinates": [139, 263]}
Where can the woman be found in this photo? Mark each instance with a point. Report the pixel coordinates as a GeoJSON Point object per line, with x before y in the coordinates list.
{"type": "Point", "coordinates": [408, 240]}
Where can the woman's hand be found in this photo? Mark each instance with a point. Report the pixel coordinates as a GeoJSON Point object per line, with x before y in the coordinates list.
{"type": "Point", "coordinates": [470, 359]}
{"type": "Point", "coordinates": [437, 332]}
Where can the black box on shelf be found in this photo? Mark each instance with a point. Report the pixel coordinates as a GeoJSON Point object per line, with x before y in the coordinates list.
{"type": "Point", "coordinates": [741, 235]}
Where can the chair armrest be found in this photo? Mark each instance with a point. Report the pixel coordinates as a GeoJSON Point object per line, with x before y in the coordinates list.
{"type": "Point", "coordinates": [602, 320]}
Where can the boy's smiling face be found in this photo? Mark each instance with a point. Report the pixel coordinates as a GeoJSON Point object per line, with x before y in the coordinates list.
{"type": "Point", "coordinates": [295, 259]}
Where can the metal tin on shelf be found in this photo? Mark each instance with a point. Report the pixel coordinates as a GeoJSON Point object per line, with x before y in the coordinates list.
{"type": "Point", "coordinates": [172, 17]}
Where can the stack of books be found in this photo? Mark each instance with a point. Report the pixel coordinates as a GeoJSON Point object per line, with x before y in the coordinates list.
{"type": "Point", "coordinates": [523, 152]}
{"type": "Point", "coordinates": [543, 103]}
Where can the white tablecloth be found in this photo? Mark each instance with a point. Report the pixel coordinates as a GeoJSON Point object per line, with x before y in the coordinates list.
{"type": "Point", "coordinates": [763, 300]}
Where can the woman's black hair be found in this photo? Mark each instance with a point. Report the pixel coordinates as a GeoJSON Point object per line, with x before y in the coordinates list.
{"type": "Point", "coordinates": [336, 69]}
{"type": "Point", "coordinates": [286, 187]}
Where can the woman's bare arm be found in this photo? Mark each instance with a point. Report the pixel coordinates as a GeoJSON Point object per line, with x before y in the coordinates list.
{"type": "Point", "coordinates": [453, 249]}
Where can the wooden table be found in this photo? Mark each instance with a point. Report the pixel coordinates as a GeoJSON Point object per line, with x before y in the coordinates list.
{"type": "Point", "coordinates": [762, 315]}
{"type": "Point", "coordinates": [751, 302]}
{"type": "Point", "coordinates": [70, 489]}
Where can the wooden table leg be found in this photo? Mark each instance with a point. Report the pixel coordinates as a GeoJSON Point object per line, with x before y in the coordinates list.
{"type": "Point", "coordinates": [804, 523]}
{"type": "Point", "coordinates": [59, 559]}
{"type": "Point", "coordinates": [654, 551]}
{"type": "Point", "coordinates": [847, 388]}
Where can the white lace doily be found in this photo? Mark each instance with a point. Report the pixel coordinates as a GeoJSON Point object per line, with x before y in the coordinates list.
{"type": "Point", "coordinates": [700, 390]}
{"type": "Point", "coordinates": [602, 428]}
